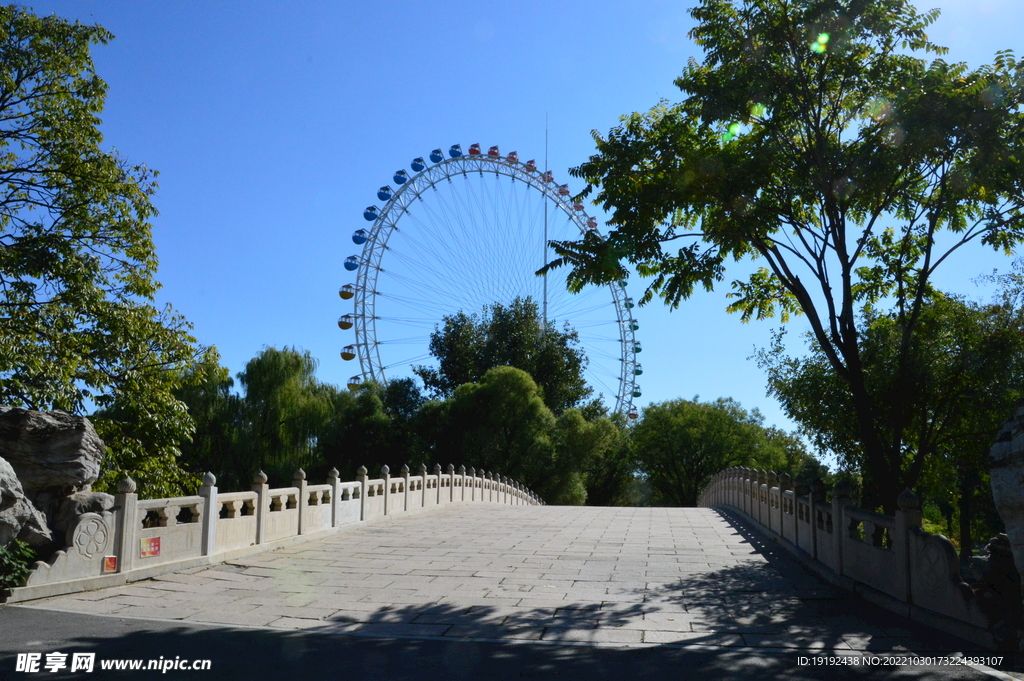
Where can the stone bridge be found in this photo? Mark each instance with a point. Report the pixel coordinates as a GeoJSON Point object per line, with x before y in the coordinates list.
{"type": "Point", "coordinates": [464, 559]}
{"type": "Point", "coordinates": [681, 577]}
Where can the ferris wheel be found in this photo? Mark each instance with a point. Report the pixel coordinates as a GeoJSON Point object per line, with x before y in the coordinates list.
{"type": "Point", "coordinates": [463, 233]}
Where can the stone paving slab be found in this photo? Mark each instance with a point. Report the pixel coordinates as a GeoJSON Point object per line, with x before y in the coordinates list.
{"type": "Point", "coordinates": [561, 574]}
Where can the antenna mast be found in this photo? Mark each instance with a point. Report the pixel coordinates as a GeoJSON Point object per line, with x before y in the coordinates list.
{"type": "Point", "coordinates": [546, 169]}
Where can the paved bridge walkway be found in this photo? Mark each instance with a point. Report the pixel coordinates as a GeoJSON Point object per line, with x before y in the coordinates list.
{"type": "Point", "coordinates": [683, 577]}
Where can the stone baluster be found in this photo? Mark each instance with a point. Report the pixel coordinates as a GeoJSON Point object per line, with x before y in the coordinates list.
{"type": "Point", "coordinates": [299, 480]}
{"type": "Point", "coordinates": [262, 489]}
{"type": "Point", "coordinates": [361, 479]}
{"type": "Point", "coordinates": [908, 516]}
{"type": "Point", "coordinates": [451, 482]}
{"type": "Point", "coordinates": [423, 485]}
{"type": "Point", "coordinates": [840, 526]}
{"type": "Point", "coordinates": [332, 480]}
{"type": "Point", "coordinates": [784, 487]}
{"type": "Point", "coordinates": [405, 496]}
{"type": "Point", "coordinates": [385, 473]}
{"type": "Point", "coordinates": [437, 472]}
{"type": "Point", "coordinates": [211, 511]}
{"type": "Point", "coordinates": [127, 503]}
{"type": "Point", "coordinates": [490, 487]}
{"type": "Point", "coordinates": [461, 496]}
{"type": "Point", "coordinates": [737, 490]}
{"type": "Point", "coordinates": [815, 495]}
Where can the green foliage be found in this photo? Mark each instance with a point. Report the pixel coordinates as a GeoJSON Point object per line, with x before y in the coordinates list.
{"type": "Point", "coordinates": [501, 424]}
{"type": "Point", "coordinates": [284, 411]}
{"type": "Point", "coordinates": [961, 376]}
{"type": "Point", "coordinates": [377, 425]}
{"type": "Point", "coordinates": [680, 444]}
{"type": "Point", "coordinates": [837, 164]}
{"type": "Point", "coordinates": [216, 445]}
{"type": "Point", "coordinates": [514, 335]}
{"type": "Point", "coordinates": [611, 468]}
{"type": "Point", "coordinates": [15, 561]}
{"type": "Point", "coordinates": [77, 260]}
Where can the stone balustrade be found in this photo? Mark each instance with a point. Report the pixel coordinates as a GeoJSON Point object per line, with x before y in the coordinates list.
{"type": "Point", "coordinates": [139, 539]}
{"type": "Point", "coordinates": [888, 560]}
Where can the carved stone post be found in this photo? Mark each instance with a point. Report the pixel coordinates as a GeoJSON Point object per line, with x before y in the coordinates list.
{"type": "Point", "coordinates": [260, 486]}
{"type": "Point", "coordinates": [299, 480]}
{"type": "Point", "coordinates": [128, 517]}
{"type": "Point", "coordinates": [840, 529]}
{"type": "Point", "coordinates": [385, 473]}
{"type": "Point", "coordinates": [361, 479]}
{"type": "Point", "coordinates": [907, 516]}
{"type": "Point", "coordinates": [462, 482]}
{"type": "Point", "coordinates": [451, 482]}
{"type": "Point", "coordinates": [816, 493]}
{"type": "Point", "coordinates": [783, 488]}
{"type": "Point", "coordinates": [332, 480]}
{"type": "Point", "coordinates": [773, 479]}
{"type": "Point", "coordinates": [405, 476]}
{"type": "Point", "coordinates": [423, 485]}
{"type": "Point", "coordinates": [211, 512]}
{"type": "Point", "coordinates": [437, 472]}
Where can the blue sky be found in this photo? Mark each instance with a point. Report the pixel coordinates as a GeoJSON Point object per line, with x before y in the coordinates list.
{"type": "Point", "coordinates": [273, 124]}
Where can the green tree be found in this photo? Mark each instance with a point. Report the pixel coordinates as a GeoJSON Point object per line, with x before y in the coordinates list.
{"type": "Point", "coordinates": [284, 413]}
{"type": "Point", "coordinates": [378, 425]}
{"type": "Point", "coordinates": [502, 425]}
{"type": "Point", "coordinates": [77, 261]}
{"type": "Point", "coordinates": [809, 141]}
{"type": "Point", "coordinates": [216, 445]}
{"type": "Point", "coordinates": [966, 372]}
{"type": "Point", "coordinates": [681, 444]}
{"type": "Point", "coordinates": [611, 469]}
{"type": "Point", "coordinates": [514, 335]}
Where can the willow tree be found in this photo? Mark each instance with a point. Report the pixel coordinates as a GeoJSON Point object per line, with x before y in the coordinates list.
{"type": "Point", "coordinates": [816, 139]}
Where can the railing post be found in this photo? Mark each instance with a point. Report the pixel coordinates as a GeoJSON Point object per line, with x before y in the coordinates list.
{"type": "Point", "coordinates": [211, 511]}
{"type": "Point", "coordinates": [260, 486]}
{"type": "Point", "coordinates": [128, 501]}
{"type": "Point", "coordinates": [451, 482]}
{"type": "Point", "coordinates": [437, 472]}
{"type": "Point", "coordinates": [423, 485]}
{"type": "Point", "coordinates": [840, 530]}
{"type": "Point", "coordinates": [462, 482]}
{"type": "Point", "coordinates": [385, 473]}
{"type": "Point", "coordinates": [816, 492]}
{"type": "Point", "coordinates": [332, 480]}
{"type": "Point", "coordinates": [490, 487]}
{"type": "Point", "coordinates": [783, 487]}
{"type": "Point", "coordinates": [405, 476]}
{"type": "Point", "coordinates": [299, 480]}
{"type": "Point", "coordinates": [361, 479]}
{"type": "Point", "coordinates": [908, 515]}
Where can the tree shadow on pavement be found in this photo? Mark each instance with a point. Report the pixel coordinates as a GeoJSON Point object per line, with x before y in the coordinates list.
{"type": "Point", "coordinates": [237, 653]}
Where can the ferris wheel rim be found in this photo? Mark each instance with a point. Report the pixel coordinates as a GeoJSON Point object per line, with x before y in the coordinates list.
{"type": "Point", "coordinates": [411, 189]}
